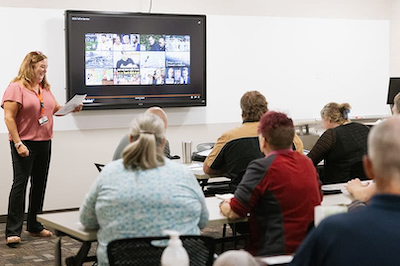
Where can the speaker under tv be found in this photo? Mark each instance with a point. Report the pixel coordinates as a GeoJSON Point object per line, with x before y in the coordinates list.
{"type": "Point", "coordinates": [135, 60]}
{"type": "Point", "coordinates": [394, 89]}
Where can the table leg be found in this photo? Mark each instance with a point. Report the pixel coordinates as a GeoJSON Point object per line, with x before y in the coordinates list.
{"type": "Point", "coordinates": [58, 257]}
{"type": "Point", "coordinates": [81, 257]}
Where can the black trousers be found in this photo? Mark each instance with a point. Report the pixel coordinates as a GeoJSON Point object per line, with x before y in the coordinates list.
{"type": "Point", "coordinates": [35, 166]}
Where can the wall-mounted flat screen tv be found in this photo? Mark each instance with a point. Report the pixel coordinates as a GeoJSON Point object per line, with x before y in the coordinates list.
{"type": "Point", "coordinates": [136, 60]}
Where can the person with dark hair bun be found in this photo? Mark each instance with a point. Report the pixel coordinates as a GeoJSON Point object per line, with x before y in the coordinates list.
{"type": "Point", "coordinates": [279, 191]}
{"type": "Point", "coordinates": [343, 144]}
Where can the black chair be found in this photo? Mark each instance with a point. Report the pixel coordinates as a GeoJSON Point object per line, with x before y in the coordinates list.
{"type": "Point", "coordinates": [99, 166]}
{"type": "Point", "coordinates": [145, 251]}
{"type": "Point", "coordinates": [234, 158]}
{"type": "Point", "coordinates": [357, 170]}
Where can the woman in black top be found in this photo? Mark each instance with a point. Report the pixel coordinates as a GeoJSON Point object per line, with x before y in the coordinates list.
{"type": "Point", "coordinates": [342, 144]}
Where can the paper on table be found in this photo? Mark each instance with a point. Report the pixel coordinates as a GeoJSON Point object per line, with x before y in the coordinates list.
{"type": "Point", "coordinates": [224, 196]}
{"type": "Point", "coordinates": [71, 104]}
{"type": "Point", "coordinates": [205, 152]}
{"type": "Point", "coordinates": [195, 165]}
{"type": "Point", "coordinates": [333, 187]}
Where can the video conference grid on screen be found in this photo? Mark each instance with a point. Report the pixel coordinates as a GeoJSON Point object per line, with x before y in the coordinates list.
{"type": "Point", "coordinates": [136, 59]}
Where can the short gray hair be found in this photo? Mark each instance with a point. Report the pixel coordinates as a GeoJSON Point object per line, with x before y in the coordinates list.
{"type": "Point", "coordinates": [396, 102]}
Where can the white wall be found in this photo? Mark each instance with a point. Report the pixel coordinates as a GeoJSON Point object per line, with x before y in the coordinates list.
{"type": "Point", "coordinates": [288, 59]}
{"type": "Point", "coordinates": [354, 9]}
{"type": "Point", "coordinates": [349, 41]}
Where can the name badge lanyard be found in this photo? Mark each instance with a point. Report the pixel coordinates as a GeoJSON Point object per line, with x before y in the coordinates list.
{"type": "Point", "coordinates": [40, 96]}
{"type": "Point", "coordinates": [43, 119]}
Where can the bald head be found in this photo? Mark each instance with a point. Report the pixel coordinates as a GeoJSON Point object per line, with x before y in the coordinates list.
{"type": "Point", "coordinates": [396, 104]}
{"type": "Point", "coordinates": [235, 258]}
{"type": "Point", "coordinates": [383, 154]}
{"type": "Point", "coordinates": [160, 113]}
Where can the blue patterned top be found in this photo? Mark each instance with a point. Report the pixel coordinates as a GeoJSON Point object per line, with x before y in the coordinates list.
{"type": "Point", "coordinates": [125, 204]}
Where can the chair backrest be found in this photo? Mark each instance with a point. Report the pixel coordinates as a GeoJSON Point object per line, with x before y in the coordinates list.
{"type": "Point", "coordinates": [145, 251]}
{"type": "Point", "coordinates": [235, 156]}
{"type": "Point", "coordinates": [99, 166]}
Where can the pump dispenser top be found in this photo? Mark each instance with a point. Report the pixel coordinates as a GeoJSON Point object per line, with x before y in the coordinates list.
{"type": "Point", "coordinates": [174, 254]}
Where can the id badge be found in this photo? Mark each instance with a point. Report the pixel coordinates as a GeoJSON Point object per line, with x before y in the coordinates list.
{"type": "Point", "coordinates": [43, 120]}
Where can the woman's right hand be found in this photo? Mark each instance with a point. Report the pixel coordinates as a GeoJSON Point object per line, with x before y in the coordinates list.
{"type": "Point", "coordinates": [23, 151]}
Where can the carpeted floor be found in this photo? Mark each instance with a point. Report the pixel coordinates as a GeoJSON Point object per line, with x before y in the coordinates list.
{"type": "Point", "coordinates": [41, 251]}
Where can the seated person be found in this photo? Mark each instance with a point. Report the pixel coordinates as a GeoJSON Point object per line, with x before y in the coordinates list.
{"type": "Point", "coordinates": [234, 164]}
{"type": "Point", "coordinates": [143, 194]}
{"type": "Point", "coordinates": [361, 191]}
{"type": "Point", "coordinates": [369, 236]}
{"type": "Point", "coordinates": [342, 144]}
{"type": "Point", "coordinates": [125, 139]}
{"type": "Point", "coordinates": [279, 191]}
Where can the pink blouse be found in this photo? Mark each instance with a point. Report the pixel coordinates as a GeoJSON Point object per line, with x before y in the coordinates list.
{"type": "Point", "coordinates": [29, 113]}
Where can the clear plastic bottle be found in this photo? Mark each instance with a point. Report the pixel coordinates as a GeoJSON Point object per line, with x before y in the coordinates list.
{"type": "Point", "coordinates": [174, 254]}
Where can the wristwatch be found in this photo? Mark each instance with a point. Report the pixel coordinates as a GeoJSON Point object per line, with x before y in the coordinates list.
{"type": "Point", "coordinates": [16, 145]}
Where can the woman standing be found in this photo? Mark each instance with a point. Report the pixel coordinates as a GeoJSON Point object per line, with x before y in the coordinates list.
{"type": "Point", "coordinates": [29, 107]}
{"type": "Point", "coordinates": [341, 145]}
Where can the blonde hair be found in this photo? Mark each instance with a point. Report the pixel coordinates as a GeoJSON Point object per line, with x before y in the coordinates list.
{"type": "Point", "coordinates": [146, 149]}
{"type": "Point", "coordinates": [396, 102]}
{"type": "Point", "coordinates": [253, 105]}
{"type": "Point", "coordinates": [336, 113]}
{"type": "Point", "coordinates": [26, 73]}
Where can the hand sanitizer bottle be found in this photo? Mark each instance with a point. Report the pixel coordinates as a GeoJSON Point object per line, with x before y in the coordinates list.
{"type": "Point", "coordinates": [174, 254]}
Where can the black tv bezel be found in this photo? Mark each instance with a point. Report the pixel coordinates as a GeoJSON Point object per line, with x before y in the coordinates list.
{"type": "Point", "coordinates": [393, 90]}
{"type": "Point", "coordinates": [198, 85]}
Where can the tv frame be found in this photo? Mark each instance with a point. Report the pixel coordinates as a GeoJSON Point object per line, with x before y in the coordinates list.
{"type": "Point", "coordinates": [165, 95]}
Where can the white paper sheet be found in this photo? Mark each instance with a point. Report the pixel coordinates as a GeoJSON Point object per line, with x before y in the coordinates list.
{"type": "Point", "coordinates": [205, 152]}
{"type": "Point", "coordinates": [224, 196]}
{"type": "Point", "coordinates": [71, 104]}
{"type": "Point", "coordinates": [278, 259]}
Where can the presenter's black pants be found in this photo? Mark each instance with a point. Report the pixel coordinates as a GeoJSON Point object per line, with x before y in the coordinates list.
{"type": "Point", "coordinates": [35, 166]}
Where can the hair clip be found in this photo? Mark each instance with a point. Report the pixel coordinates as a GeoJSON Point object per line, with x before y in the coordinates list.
{"type": "Point", "coordinates": [146, 132]}
{"type": "Point", "coordinates": [346, 114]}
{"type": "Point", "coordinates": [38, 52]}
